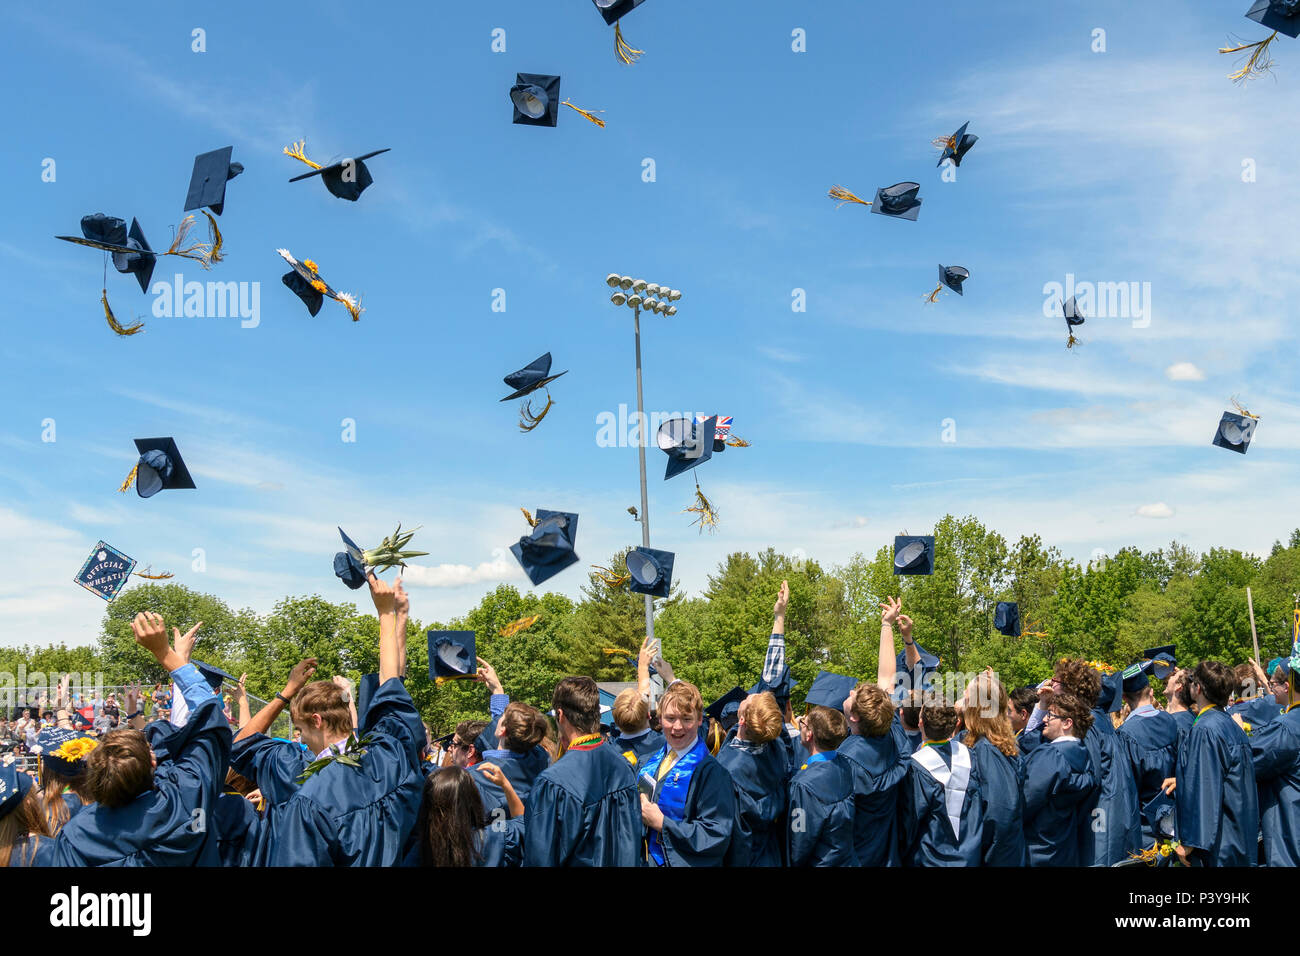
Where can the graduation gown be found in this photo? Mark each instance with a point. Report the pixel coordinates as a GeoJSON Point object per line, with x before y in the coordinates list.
{"type": "Point", "coordinates": [1258, 711]}
{"type": "Point", "coordinates": [274, 766]}
{"type": "Point", "coordinates": [636, 749]}
{"type": "Point", "coordinates": [165, 826]}
{"type": "Point", "coordinates": [1060, 784]}
{"type": "Point", "coordinates": [584, 810]}
{"type": "Point", "coordinates": [819, 831]}
{"type": "Point", "coordinates": [927, 803]}
{"type": "Point", "coordinates": [1003, 806]}
{"type": "Point", "coordinates": [759, 775]}
{"type": "Point", "coordinates": [703, 836]}
{"type": "Point", "coordinates": [879, 767]}
{"type": "Point", "coordinates": [1217, 803]}
{"type": "Point", "coordinates": [520, 769]}
{"type": "Point", "coordinates": [1152, 739]}
{"type": "Point", "coordinates": [1116, 832]}
{"type": "Point", "coordinates": [1275, 751]}
{"type": "Point", "coordinates": [237, 829]}
{"type": "Point", "coordinates": [359, 816]}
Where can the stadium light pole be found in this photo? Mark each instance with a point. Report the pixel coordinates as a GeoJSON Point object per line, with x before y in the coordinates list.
{"type": "Point", "coordinates": [635, 293]}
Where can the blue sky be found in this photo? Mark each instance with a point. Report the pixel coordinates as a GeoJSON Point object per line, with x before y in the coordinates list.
{"type": "Point", "coordinates": [1122, 166]}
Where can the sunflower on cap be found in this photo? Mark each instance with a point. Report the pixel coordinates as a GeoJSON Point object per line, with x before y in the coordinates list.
{"type": "Point", "coordinates": [64, 751]}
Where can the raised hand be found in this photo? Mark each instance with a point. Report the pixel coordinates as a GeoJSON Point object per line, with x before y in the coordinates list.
{"type": "Point", "coordinates": [782, 600]}
{"type": "Point", "coordinates": [889, 611]}
{"type": "Point", "coordinates": [184, 643]}
{"type": "Point", "coordinates": [401, 601]}
{"type": "Point", "coordinates": [343, 684]}
{"type": "Point", "coordinates": [905, 626]}
{"type": "Point", "coordinates": [382, 593]}
{"type": "Point", "coordinates": [151, 633]}
{"type": "Point", "coordinates": [488, 675]}
{"type": "Point", "coordinates": [300, 675]}
{"type": "Point", "coordinates": [242, 692]}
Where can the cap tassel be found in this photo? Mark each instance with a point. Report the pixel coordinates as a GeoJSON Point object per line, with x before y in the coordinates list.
{"type": "Point", "coordinates": [1241, 409]}
{"type": "Point", "coordinates": [198, 251]}
{"type": "Point", "coordinates": [1257, 63]}
{"type": "Point", "coordinates": [708, 516]}
{"type": "Point", "coordinates": [627, 54]}
{"type": "Point", "coordinates": [735, 441]}
{"type": "Point", "coordinates": [1072, 342]}
{"type": "Point", "coordinates": [298, 154]}
{"type": "Point", "coordinates": [148, 574]}
{"type": "Point", "coordinates": [934, 296]}
{"type": "Point", "coordinates": [351, 303]}
{"type": "Point", "coordinates": [523, 624]}
{"type": "Point", "coordinates": [527, 419]}
{"type": "Point", "coordinates": [214, 237]}
{"type": "Point", "coordinates": [130, 479]}
{"type": "Point", "coordinates": [611, 579]}
{"type": "Point", "coordinates": [843, 195]}
{"type": "Point", "coordinates": [112, 319]}
{"type": "Point", "coordinates": [587, 113]}
{"type": "Point", "coordinates": [532, 522]}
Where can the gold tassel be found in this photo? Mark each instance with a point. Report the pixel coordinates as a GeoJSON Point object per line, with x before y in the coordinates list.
{"type": "Point", "coordinates": [130, 479]}
{"type": "Point", "coordinates": [523, 624]}
{"type": "Point", "coordinates": [148, 574]}
{"type": "Point", "coordinates": [214, 235]}
{"type": "Point", "coordinates": [611, 651]}
{"type": "Point", "coordinates": [532, 522]}
{"type": "Point", "coordinates": [297, 153]}
{"type": "Point", "coordinates": [934, 296]}
{"type": "Point", "coordinates": [439, 681]}
{"type": "Point", "coordinates": [587, 113]}
{"type": "Point", "coordinates": [611, 579]}
{"type": "Point", "coordinates": [1257, 64]}
{"type": "Point", "coordinates": [843, 195]}
{"type": "Point", "coordinates": [1241, 409]}
{"type": "Point", "coordinates": [1072, 343]}
{"type": "Point", "coordinates": [351, 303]}
{"type": "Point", "coordinates": [198, 251]}
{"type": "Point", "coordinates": [527, 420]}
{"type": "Point", "coordinates": [627, 54]}
{"type": "Point", "coordinates": [112, 319]}
{"type": "Point", "coordinates": [708, 516]}
{"type": "Point", "coordinates": [735, 441]}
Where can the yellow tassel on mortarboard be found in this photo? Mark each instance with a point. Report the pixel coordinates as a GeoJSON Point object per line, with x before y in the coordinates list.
{"type": "Point", "coordinates": [130, 479]}
{"type": "Point", "coordinates": [148, 574]}
{"type": "Point", "coordinates": [735, 441]}
{"type": "Point", "coordinates": [934, 296]}
{"type": "Point", "coordinates": [214, 234]}
{"type": "Point", "coordinates": [708, 515]}
{"type": "Point", "coordinates": [527, 419]}
{"type": "Point", "coordinates": [842, 195]}
{"type": "Point", "coordinates": [532, 522]}
{"type": "Point", "coordinates": [1257, 63]}
{"type": "Point", "coordinates": [1241, 409]}
{"type": "Point", "coordinates": [199, 251]}
{"type": "Point", "coordinates": [1072, 343]}
{"type": "Point", "coordinates": [523, 624]}
{"type": "Point", "coordinates": [112, 319]}
{"type": "Point", "coordinates": [610, 578]}
{"type": "Point", "coordinates": [297, 153]}
{"type": "Point", "coordinates": [622, 50]}
{"type": "Point", "coordinates": [587, 113]}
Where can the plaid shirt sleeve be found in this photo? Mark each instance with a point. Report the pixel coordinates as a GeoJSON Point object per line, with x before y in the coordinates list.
{"type": "Point", "coordinates": [774, 662]}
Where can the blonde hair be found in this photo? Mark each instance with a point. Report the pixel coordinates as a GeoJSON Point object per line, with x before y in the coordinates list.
{"type": "Point", "coordinates": [985, 693]}
{"type": "Point", "coordinates": [630, 710]}
{"type": "Point", "coordinates": [763, 718]}
{"type": "Point", "coordinates": [685, 697]}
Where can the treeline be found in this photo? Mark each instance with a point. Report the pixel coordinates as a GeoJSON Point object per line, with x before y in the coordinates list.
{"type": "Point", "coordinates": [1106, 610]}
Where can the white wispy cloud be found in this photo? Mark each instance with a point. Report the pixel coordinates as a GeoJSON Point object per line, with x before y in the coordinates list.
{"type": "Point", "coordinates": [1157, 510]}
{"type": "Point", "coordinates": [1184, 372]}
{"type": "Point", "coordinates": [501, 568]}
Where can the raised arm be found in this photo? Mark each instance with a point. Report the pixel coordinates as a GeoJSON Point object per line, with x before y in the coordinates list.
{"type": "Point", "coordinates": [774, 660]}
{"type": "Point", "coordinates": [241, 700]}
{"type": "Point", "coordinates": [912, 652]}
{"type": "Point", "coordinates": [402, 607]}
{"type": "Point", "coordinates": [390, 646]}
{"type": "Point", "coordinates": [887, 659]}
{"type": "Point", "coordinates": [265, 717]}
{"type": "Point", "coordinates": [643, 668]}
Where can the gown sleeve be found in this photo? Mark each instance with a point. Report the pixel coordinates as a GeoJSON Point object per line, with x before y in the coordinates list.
{"type": "Point", "coordinates": [702, 839]}
{"type": "Point", "coordinates": [273, 765]}
{"type": "Point", "coordinates": [304, 836]}
{"type": "Point", "coordinates": [806, 820]}
{"type": "Point", "coordinates": [1272, 750]}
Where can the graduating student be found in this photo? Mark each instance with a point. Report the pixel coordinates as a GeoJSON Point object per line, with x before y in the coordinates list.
{"type": "Point", "coordinates": [819, 831]}
{"type": "Point", "coordinates": [63, 756]}
{"type": "Point", "coordinates": [1152, 739]}
{"type": "Point", "coordinates": [1217, 804]}
{"type": "Point", "coordinates": [986, 716]}
{"type": "Point", "coordinates": [755, 759]}
{"type": "Point", "coordinates": [1023, 701]}
{"type": "Point", "coordinates": [687, 802]}
{"type": "Point", "coordinates": [584, 809]}
{"type": "Point", "coordinates": [1179, 705]}
{"type": "Point", "coordinates": [776, 678]}
{"type": "Point", "coordinates": [633, 737]}
{"type": "Point", "coordinates": [1275, 751]}
{"type": "Point", "coordinates": [144, 816]}
{"type": "Point", "coordinates": [452, 828]}
{"type": "Point", "coordinates": [1060, 784]}
{"type": "Point", "coordinates": [941, 817]}
{"type": "Point", "coordinates": [515, 753]}
{"type": "Point", "coordinates": [22, 818]}
{"type": "Point", "coordinates": [357, 812]}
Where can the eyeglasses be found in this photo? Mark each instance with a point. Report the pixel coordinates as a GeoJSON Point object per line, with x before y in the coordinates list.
{"type": "Point", "coordinates": [1051, 716]}
{"type": "Point", "coordinates": [456, 743]}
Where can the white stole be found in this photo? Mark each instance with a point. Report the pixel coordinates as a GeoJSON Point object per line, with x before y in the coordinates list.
{"type": "Point", "coordinates": [954, 780]}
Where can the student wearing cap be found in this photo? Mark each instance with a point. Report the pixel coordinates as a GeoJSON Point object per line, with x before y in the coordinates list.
{"type": "Point", "coordinates": [1060, 784]}
{"type": "Point", "coordinates": [1217, 802]}
{"type": "Point", "coordinates": [940, 813]}
{"type": "Point", "coordinates": [985, 715]}
{"type": "Point", "coordinates": [22, 819]}
{"type": "Point", "coordinates": [346, 815]}
{"type": "Point", "coordinates": [687, 802]}
{"type": "Point", "coordinates": [1275, 752]}
{"type": "Point", "coordinates": [1152, 739]}
{"type": "Point", "coordinates": [819, 829]}
{"type": "Point", "coordinates": [775, 677]}
{"type": "Point", "coordinates": [63, 756]}
{"type": "Point", "coordinates": [756, 761]}
{"type": "Point", "coordinates": [142, 815]}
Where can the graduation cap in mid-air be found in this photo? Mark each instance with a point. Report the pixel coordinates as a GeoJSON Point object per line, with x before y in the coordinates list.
{"type": "Point", "coordinates": [1236, 430]}
{"type": "Point", "coordinates": [914, 554]}
{"type": "Point", "coordinates": [1162, 660]}
{"type": "Point", "coordinates": [536, 99]}
{"type": "Point", "coordinates": [159, 468]}
{"type": "Point", "coordinates": [686, 443]}
{"type": "Point", "coordinates": [214, 675]}
{"type": "Point", "coordinates": [950, 277]}
{"type": "Point", "coordinates": [208, 180]}
{"type": "Point", "coordinates": [651, 571]}
{"type": "Point", "coordinates": [536, 374]}
{"type": "Point", "coordinates": [451, 654]}
{"type": "Point", "coordinates": [549, 548]}
{"type": "Point", "coordinates": [955, 146]}
{"type": "Point", "coordinates": [898, 201]}
{"type": "Point", "coordinates": [1006, 618]}
{"type": "Point", "coordinates": [1073, 317]}
{"type": "Point", "coordinates": [726, 709]}
{"type": "Point", "coordinates": [346, 179]}
{"type": "Point", "coordinates": [830, 690]}
{"type": "Point", "coordinates": [613, 11]}
{"type": "Point", "coordinates": [1280, 15]}
{"type": "Point", "coordinates": [305, 282]}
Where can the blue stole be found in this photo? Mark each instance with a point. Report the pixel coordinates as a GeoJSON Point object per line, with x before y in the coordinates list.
{"type": "Point", "coordinates": [818, 758]}
{"type": "Point", "coordinates": [670, 792]}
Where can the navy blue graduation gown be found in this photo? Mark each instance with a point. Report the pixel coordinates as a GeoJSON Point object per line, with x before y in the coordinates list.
{"type": "Point", "coordinates": [1275, 750]}
{"type": "Point", "coordinates": [1217, 803]}
{"type": "Point", "coordinates": [1116, 831]}
{"type": "Point", "coordinates": [274, 767]}
{"type": "Point", "coordinates": [796, 754]}
{"type": "Point", "coordinates": [503, 844]}
{"type": "Point", "coordinates": [237, 829]}
{"type": "Point", "coordinates": [1184, 719]}
{"type": "Point", "coordinates": [638, 747]}
{"type": "Point", "coordinates": [1258, 711]}
{"type": "Point", "coordinates": [820, 827]}
{"type": "Point", "coordinates": [520, 769]}
{"type": "Point", "coordinates": [1152, 739]}
{"type": "Point", "coordinates": [926, 836]}
{"type": "Point", "coordinates": [759, 776]}
{"type": "Point", "coordinates": [915, 739]}
{"type": "Point", "coordinates": [1027, 740]}
{"type": "Point", "coordinates": [359, 816]}
{"type": "Point", "coordinates": [1003, 841]}
{"type": "Point", "coordinates": [1059, 784]}
{"type": "Point", "coordinates": [165, 826]}
{"type": "Point", "coordinates": [879, 767]}
{"type": "Point", "coordinates": [703, 836]}
{"type": "Point", "coordinates": [584, 810]}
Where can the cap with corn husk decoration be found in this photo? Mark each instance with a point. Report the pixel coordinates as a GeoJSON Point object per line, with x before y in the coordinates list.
{"type": "Point", "coordinates": [350, 565]}
{"type": "Point", "coordinates": [305, 282]}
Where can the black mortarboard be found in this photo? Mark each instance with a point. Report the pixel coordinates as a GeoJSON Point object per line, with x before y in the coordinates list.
{"type": "Point", "coordinates": [549, 548]}
{"type": "Point", "coordinates": [349, 565]}
{"type": "Point", "coordinates": [536, 97]}
{"type": "Point", "coordinates": [953, 277]}
{"type": "Point", "coordinates": [957, 146]}
{"type": "Point", "coordinates": [214, 675]}
{"type": "Point", "coordinates": [535, 375]}
{"type": "Point", "coordinates": [346, 179]}
{"type": "Point", "coordinates": [1158, 813]}
{"type": "Point", "coordinates": [160, 467]}
{"type": "Point", "coordinates": [300, 287]}
{"type": "Point", "coordinates": [1134, 677]}
{"type": "Point", "coordinates": [914, 554]}
{"type": "Point", "coordinates": [1235, 432]}
{"type": "Point", "coordinates": [614, 10]}
{"type": "Point", "coordinates": [1070, 309]}
{"type": "Point", "coordinates": [14, 785]}
{"type": "Point", "coordinates": [1006, 618]}
{"type": "Point", "coordinates": [1280, 15]}
{"type": "Point", "coordinates": [726, 709]}
{"type": "Point", "coordinates": [686, 443]}
{"type": "Point", "coordinates": [1162, 660]}
{"type": "Point", "coordinates": [781, 688]}
{"type": "Point", "coordinates": [208, 181]}
{"type": "Point", "coordinates": [131, 251]}
{"type": "Point", "coordinates": [898, 201]}
{"type": "Point", "coordinates": [440, 741]}
{"type": "Point", "coordinates": [1110, 699]}
{"type": "Point", "coordinates": [830, 690]}
{"type": "Point", "coordinates": [651, 571]}
{"type": "Point", "coordinates": [451, 654]}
